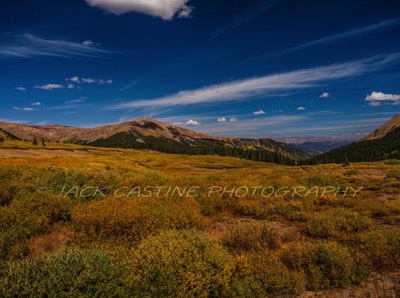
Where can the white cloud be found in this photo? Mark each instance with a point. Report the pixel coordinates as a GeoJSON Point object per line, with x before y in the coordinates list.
{"type": "Point", "coordinates": [325, 95]}
{"type": "Point", "coordinates": [192, 123]}
{"type": "Point", "coordinates": [380, 96]}
{"type": "Point", "coordinates": [165, 9]}
{"type": "Point", "coordinates": [74, 79]}
{"type": "Point", "coordinates": [101, 81]}
{"type": "Point", "coordinates": [70, 86]}
{"type": "Point", "coordinates": [79, 80]}
{"type": "Point", "coordinates": [49, 87]}
{"type": "Point", "coordinates": [38, 103]}
{"type": "Point", "coordinates": [23, 109]}
{"type": "Point", "coordinates": [269, 84]}
{"type": "Point", "coordinates": [233, 119]}
{"type": "Point", "coordinates": [21, 88]}
{"type": "Point", "coordinates": [177, 123]}
{"type": "Point", "coordinates": [301, 109]}
{"type": "Point", "coordinates": [260, 112]}
{"type": "Point", "coordinates": [42, 123]}
{"type": "Point", "coordinates": [88, 81]}
{"type": "Point", "coordinates": [222, 120]}
{"type": "Point", "coordinates": [88, 43]}
{"type": "Point", "coordinates": [30, 46]}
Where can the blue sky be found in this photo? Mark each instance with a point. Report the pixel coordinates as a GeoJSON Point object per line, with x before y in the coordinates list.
{"type": "Point", "coordinates": [262, 68]}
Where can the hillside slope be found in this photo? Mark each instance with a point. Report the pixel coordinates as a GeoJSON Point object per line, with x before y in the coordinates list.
{"type": "Point", "coordinates": [369, 149]}
{"type": "Point", "coordinates": [383, 130]}
{"type": "Point", "coordinates": [152, 134]}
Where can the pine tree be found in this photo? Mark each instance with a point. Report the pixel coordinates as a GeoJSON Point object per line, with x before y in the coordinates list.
{"type": "Point", "coordinates": [346, 162]}
{"type": "Point", "coordinates": [35, 142]}
{"type": "Point", "coordinates": [43, 142]}
{"type": "Point", "coordinates": [1, 139]}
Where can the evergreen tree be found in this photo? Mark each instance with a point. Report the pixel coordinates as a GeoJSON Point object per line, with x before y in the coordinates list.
{"type": "Point", "coordinates": [43, 142]}
{"type": "Point", "coordinates": [1, 139]}
{"type": "Point", "coordinates": [346, 162]}
{"type": "Point", "coordinates": [35, 142]}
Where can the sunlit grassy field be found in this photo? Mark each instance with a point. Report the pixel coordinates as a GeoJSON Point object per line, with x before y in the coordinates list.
{"type": "Point", "coordinates": [76, 221]}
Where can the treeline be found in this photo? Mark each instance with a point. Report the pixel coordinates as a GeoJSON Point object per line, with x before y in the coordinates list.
{"type": "Point", "coordinates": [387, 147]}
{"type": "Point", "coordinates": [199, 147]}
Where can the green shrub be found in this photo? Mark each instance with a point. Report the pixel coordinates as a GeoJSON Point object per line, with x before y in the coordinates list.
{"type": "Point", "coordinates": [251, 236]}
{"type": "Point", "coordinates": [259, 209]}
{"type": "Point", "coordinates": [64, 274]}
{"type": "Point", "coordinates": [369, 207]}
{"type": "Point", "coordinates": [213, 177]}
{"type": "Point", "coordinates": [28, 217]}
{"type": "Point", "coordinates": [337, 223]}
{"type": "Point", "coordinates": [181, 264]}
{"type": "Point", "coordinates": [393, 174]}
{"type": "Point", "coordinates": [259, 275]}
{"type": "Point", "coordinates": [325, 265]}
{"type": "Point", "coordinates": [392, 162]}
{"type": "Point", "coordinates": [377, 250]}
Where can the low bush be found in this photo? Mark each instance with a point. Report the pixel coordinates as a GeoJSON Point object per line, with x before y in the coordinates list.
{"type": "Point", "coordinates": [325, 265]}
{"type": "Point", "coordinates": [181, 264]}
{"type": "Point", "coordinates": [133, 219]}
{"type": "Point", "coordinates": [377, 250]}
{"type": "Point", "coordinates": [78, 273]}
{"type": "Point", "coordinates": [251, 236]}
{"type": "Point", "coordinates": [393, 174]}
{"type": "Point", "coordinates": [261, 275]}
{"type": "Point", "coordinates": [28, 217]}
{"type": "Point", "coordinates": [337, 223]}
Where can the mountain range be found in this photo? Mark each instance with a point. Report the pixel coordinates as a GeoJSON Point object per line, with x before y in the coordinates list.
{"type": "Point", "coordinates": [147, 133]}
{"type": "Point", "coordinates": [144, 133]}
{"type": "Point", "coordinates": [315, 145]}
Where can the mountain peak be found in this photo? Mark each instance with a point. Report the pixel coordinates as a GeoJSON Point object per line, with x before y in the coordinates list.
{"type": "Point", "coordinates": [384, 129]}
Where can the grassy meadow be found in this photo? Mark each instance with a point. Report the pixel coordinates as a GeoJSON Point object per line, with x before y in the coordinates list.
{"type": "Point", "coordinates": [59, 237]}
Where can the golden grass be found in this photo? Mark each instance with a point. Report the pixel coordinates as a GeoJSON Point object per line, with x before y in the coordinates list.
{"type": "Point", "coordinates": [359, 234]}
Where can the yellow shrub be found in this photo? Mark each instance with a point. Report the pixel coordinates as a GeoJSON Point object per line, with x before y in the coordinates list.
{"type": "Point", "coordinates": [135, 218]}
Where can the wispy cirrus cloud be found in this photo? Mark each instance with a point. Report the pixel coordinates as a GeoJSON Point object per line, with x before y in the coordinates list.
{"type": "Point", "coordinates": [13, 121]}
{"type": "Point", "coordinates": [49, 86]}
{"type": "Point", "coordinates": [255, 87]}
{"type": "Point", "coordinates": [165, 9]}
{"type": "Point", "coordinates": [79, 80]}
{"type": "Point", "coordinates": [21, 88]}
{"type": "Point", "coordinates": [331, 38]}
{"type": "Point", "coordinates": [31, 46]}
{"type": "Point", "coordinates": [23, 109]}
{"type": "Point", "coordinates": [346, 34]}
